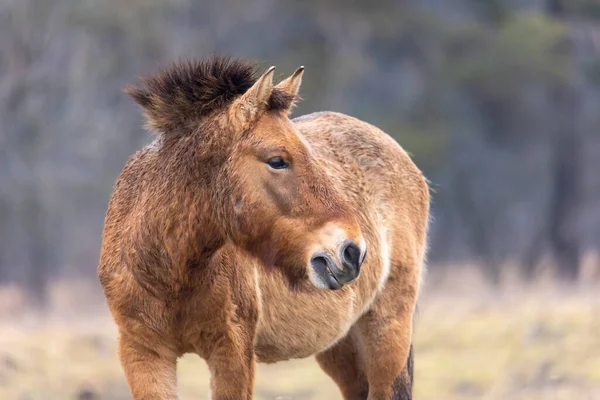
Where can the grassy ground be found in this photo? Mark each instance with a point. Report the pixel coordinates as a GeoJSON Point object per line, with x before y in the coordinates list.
{"type": "Point", "coordinates": [470, 344]}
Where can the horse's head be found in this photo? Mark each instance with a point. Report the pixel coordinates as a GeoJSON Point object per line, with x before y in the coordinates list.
{"type": "Point", "coordinates": [268, 192]}
{"type": "Point", "coordinates": [287, 209]}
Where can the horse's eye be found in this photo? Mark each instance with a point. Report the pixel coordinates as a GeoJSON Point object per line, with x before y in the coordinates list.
{"type": "Point", "coordinates": [277, 163]}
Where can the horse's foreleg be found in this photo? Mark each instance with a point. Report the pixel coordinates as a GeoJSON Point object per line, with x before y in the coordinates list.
{"type": "Point", "coordinates": [232, 363]}
{"type": "Point", "coordinates": [344, 364]}
{"type": "Point", "coordinates": [403, 384]}
{"type": "Point", "coordinates": [386, 335]}
{"type": "Point", "coordinates": [150, 375]}
{"type": "Point", "coordinates": [388, 358]}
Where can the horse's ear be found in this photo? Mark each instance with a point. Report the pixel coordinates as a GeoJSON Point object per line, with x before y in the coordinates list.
{"type": "Point", "coordinates": [251, 104]}
{"type": "Point", "coordinates": [291, 85]}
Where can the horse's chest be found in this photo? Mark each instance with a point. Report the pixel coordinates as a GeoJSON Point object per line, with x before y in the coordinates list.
{"type": "Point", "coordinates": [299, 327]}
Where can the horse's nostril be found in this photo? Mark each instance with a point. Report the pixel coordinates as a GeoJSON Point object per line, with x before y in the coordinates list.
{"type": "Point", "coordinates": [351, 255]}
{"type": "Point", "coordinates": [319, 263]}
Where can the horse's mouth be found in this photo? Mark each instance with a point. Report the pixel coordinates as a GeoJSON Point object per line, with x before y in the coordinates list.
{"type": "Point", "coordinates": [323, 265]}
{"type": "Point", "coordinates": [332, 276]}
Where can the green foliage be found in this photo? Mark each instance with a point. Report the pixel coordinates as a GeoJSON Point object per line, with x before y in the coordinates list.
{"type": "Point", "coordinates": [113, 17]}
{"type": "Point", "coordinates": [583, 8]}
{"type": "Point", "coordinates": [526, 49]}
{"type": "Point", "coordinates": [426, 146]}
{"type": "Point", "coordinates": [425, 142]}
{"type": "Point", "coordinates": [593, 71]}
{"type": "Point", "coordinates": [492, 10]}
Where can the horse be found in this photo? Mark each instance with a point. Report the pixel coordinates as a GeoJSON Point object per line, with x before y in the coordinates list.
{"type": "Point", "coordinates": [244, 236]}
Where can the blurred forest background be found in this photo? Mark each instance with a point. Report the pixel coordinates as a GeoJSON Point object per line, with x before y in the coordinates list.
{"type": "Point", "coordinates": [498, 101]}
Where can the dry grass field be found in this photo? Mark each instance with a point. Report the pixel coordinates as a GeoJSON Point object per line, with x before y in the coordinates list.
{"type": "Point", "coordinates": [471, 343]}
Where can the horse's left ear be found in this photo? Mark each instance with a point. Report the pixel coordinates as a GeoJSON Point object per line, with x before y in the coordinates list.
{"type": "Point", "coordinates": [291, 85]}
{"type": "Point", "coordinates": [248, 107]}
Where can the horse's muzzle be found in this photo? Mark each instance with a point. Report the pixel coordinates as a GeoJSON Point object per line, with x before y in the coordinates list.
{"type": "Point", "coordinates": [337, 272]}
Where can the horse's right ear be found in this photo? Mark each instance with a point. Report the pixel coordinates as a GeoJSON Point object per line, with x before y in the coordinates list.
{"type": "Point", "coordinates": [247, 108]}
{"type": "Point", "coordinates": [291, 86]}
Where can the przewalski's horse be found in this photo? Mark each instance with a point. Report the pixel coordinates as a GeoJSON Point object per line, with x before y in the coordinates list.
{"type": "Point", "coordinates": [243, 236]}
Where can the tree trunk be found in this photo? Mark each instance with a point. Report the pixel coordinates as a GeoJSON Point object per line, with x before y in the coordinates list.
{"type": "Point", "coordinates": [37, 276]}
{"type": "Point", "coordinates": [566, 101]}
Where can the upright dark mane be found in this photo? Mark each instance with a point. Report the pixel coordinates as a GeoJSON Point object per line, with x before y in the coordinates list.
{"type": "Point", "coordinates": [181, 95]}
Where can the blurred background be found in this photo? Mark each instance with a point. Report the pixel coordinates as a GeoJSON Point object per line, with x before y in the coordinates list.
{"type": "Point", "coordinates": [498, 101]}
